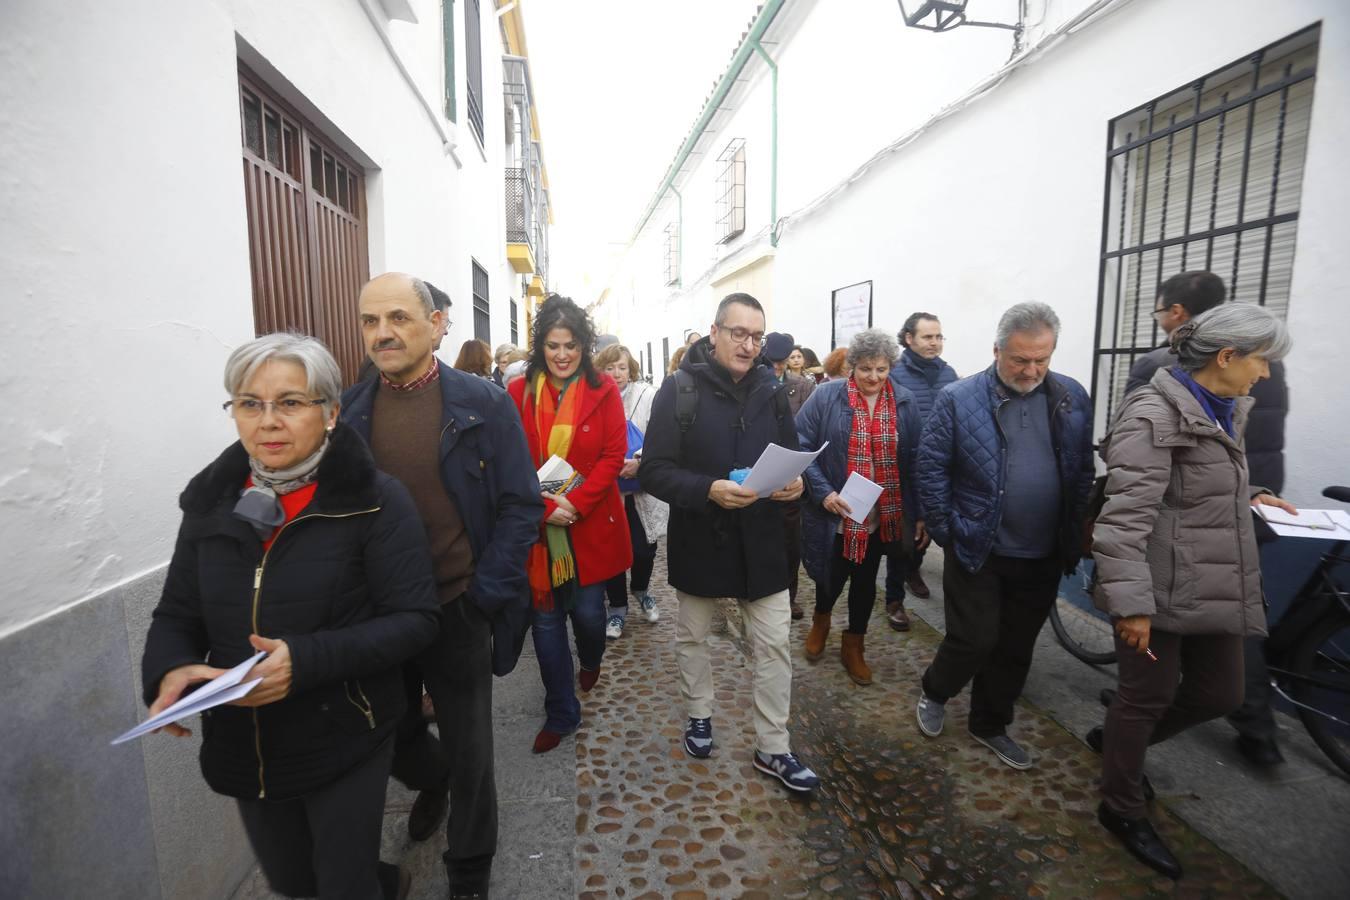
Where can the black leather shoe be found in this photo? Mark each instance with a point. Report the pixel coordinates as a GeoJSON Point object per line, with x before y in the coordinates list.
{"type": "Point", "coordinates": [1094, 741]}
{"type": "Point", "coordinates": [1262, 752]}
{"type": "Point", "coordinates": [1107, 697]}
{"type": "Point", "coordinates": [1141, 840]}
{"type": "Point", "coordinates": [469, 878]}
{"type": "Point", "coordinates": [428, 813]}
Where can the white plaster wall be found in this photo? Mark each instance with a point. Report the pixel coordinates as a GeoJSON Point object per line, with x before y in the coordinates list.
{"type": "Point", "coordinates": [1002, 201]}
{"type": "Point", "coordinates": [123, 251]}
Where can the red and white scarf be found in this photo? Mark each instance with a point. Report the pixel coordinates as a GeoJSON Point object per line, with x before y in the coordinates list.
{"type": "Point", "coordinates": [873, 452]}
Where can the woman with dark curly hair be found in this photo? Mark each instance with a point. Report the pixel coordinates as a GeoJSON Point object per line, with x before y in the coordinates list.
{"type": "Point", "coordinates": [475, 357]}
{"type": "Point", "coordinates": [572, 411]}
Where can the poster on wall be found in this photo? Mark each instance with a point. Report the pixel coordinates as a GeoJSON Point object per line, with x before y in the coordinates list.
{"type": "Point", "coordinates": [851, 312]}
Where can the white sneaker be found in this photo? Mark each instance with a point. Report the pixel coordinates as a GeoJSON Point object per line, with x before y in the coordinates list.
{"type": "Point", "coordinates": [614, 628]}
{"type": "Point", "coordinates": [648, 604]}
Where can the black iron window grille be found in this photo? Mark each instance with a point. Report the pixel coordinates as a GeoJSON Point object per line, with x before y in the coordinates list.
{"type": "Point", "coordinates": [673, 253]}
{"type": "Point", "coordinates": [731, 191]}
{"type": "Point", "coordinates": [515, 325]}
{"type": "Point", "coordinates": [665, 356]}
{"type": "Point", "coordinates": [482, 308]}
{"type": "Point", "coordinates": [473, 67]}
{"type": "Point", "coordinates": [1205, 178]}
{"type": "Point", "coordinates": [651, 366]}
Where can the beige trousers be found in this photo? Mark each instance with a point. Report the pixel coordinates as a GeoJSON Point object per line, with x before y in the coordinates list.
{"type": "Point", "coordinates": [767, 625]}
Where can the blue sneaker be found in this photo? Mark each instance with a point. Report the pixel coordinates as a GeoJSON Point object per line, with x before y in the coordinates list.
{"type": "Point", "coordinates": [698, 740]}
{"type": "Point", "coordinates": [787, 769]}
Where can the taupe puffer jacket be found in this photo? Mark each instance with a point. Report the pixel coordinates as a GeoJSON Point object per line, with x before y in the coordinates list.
{"type": "Point", "coordinates": [1175, 539]}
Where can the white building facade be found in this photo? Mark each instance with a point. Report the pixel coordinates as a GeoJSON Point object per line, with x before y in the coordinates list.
{"type": "Point", "coordinates": [181, 177]}
{"type": "Point", "coordinates": [1124, 141]}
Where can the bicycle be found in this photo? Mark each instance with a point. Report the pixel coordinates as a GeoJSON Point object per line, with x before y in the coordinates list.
{"type": "Point", "coordinates": [1081, 628]}
{"type": "Point", "coordinates": [1308, 652]}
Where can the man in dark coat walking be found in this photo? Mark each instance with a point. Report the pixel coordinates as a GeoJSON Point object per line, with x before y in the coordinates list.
{"type": "Point", "coordinates": [715, 416]}
{"type": "Point", "coordinates": [777, 348]}
{"type": "Point", "coordinates": [922, 370]}
{"type": "Point", "coordinates": [1180, 299]}
{"type": "Point", "coordinates": [455, 441]}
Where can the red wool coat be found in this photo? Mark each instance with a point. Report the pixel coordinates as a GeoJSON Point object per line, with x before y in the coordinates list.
{"type": "Point", "coordinates": [600, 536]}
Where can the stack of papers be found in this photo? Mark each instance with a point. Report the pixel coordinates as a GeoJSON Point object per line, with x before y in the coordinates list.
{"type": "Point", "coordinates": [1323, 524]}
{"type": "Point", "coordinates": [216, 692]}
{"type": "Point", "coordinates": [777, 467]}
{"type": "Point", "coordinates": [861, 494]}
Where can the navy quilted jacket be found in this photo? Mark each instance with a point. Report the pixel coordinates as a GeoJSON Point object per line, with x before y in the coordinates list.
{"type": "Point", "coordinates": [963, 464]}
{"type": "Point", "coordinates": [908, 374]}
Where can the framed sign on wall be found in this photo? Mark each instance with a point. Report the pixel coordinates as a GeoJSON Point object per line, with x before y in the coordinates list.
{"type": "Point", "coordinates": [851, 312]}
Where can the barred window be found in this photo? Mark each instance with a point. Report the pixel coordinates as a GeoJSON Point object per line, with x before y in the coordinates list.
{"type": "Point", "coordinates": [515, 325]}
{"type": "Point", "coordinates": [673, 253]}
{"type": "Point", "coordinates": [731, 191]}
{"type": "Point", "coordinates": [473, 67]}
{"type": "Point", "coordinates": [482, 310]}
{"type": "Point", "coordinates": [1205, 178]}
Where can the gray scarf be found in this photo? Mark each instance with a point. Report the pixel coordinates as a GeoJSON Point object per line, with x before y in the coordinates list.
{"type": "Point", "coordinates": [258, 505]}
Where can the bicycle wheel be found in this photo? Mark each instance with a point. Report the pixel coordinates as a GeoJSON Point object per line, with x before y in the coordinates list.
{"type": "Point", "coordinates": [1321, 686]}
{"type": "Point", "coordinates": [1084, 633]}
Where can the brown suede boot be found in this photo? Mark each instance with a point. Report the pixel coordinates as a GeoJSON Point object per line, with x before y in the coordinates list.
{"type": "Point", "coordinates": [851, 652]}
{"type": "Point", "coordinates": [815, 639]}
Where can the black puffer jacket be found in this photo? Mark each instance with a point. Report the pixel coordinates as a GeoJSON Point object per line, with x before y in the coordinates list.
{"type": "Point", "coordinates": [716, 552]}
{"type": "Point", "coordinates": [347, 584]}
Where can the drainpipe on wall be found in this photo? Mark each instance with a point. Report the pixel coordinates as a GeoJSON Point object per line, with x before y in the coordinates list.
{"type": "Point", "coordinates": [679, 235]}
{"type": "Point", "coordinates": [773, 143]}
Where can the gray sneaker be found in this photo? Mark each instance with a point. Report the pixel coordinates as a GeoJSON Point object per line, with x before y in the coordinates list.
{"type": "Point", "coordinates": [648, 604]}
{"type": "Point", "coordinates": [931, 715]}
{"type": "Point", "coordinates": [1006, 749]}
{"type": "Point", "coordinates": [614, 628]}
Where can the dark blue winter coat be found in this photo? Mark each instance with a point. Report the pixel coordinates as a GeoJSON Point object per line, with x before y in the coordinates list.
{"type": "Point", "coordinates": [826, 416]}
{"type": "Point", "coordinates": [716, 552]}
{"type": "Point", "coordinates": [908, 374]}
{"type": "Point", "coordinates": [963, 462]}
{"type": "Point", "coordinates": [487, 471]}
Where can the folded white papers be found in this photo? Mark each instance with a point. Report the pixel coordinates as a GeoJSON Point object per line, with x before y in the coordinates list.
{"type": "Point", "coordinates": [861, 494]}
{"type": "Point", "coordinates": [1323, 524]}
{"type": "Point", "coordinates": [776, 468]}
{"type": "Point", "coordinates": [219, 690]}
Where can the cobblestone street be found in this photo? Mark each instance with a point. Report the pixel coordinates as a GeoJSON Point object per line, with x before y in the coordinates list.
{"type": "Point", "coordinates": [897, 815]}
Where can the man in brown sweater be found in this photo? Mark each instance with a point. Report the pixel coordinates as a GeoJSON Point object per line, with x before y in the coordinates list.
{"type": "Point", "coordinates": [456, 443]}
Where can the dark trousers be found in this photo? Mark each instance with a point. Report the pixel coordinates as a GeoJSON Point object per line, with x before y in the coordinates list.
{"type": "Point", "coordinates": [993, 617]}
{"type": "Point", "coordinates": [549, 630]}
{"type": "Point", "coordinates": [792, 524]}
{"type": "Point", "coordinates": [457, 669]}
{"type": "Point", "coordinates": [1197, 677]}
{"type": "Point", "coordinates": [862, 583]}
{"type": "Point", "coordinates": [898, 568]}
{"type": "Point", "coordinates": [1255, 718]}
{"type": "Point", "coordinates": [644, 559]}
{"type": "Point", "coordinates": [326, 843]}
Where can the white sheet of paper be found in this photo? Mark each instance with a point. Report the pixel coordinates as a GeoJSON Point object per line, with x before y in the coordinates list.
{"type": "Point", "coordinates": [555, 468]}
{"type": "Point", "coordinates": [1322, 524]}
{"type": "Point", "coordinates": [861, 494]}
{"type": "Point", "coordinates": [219, 690]}
{"type": "Point", "coordinates": [776, 467]}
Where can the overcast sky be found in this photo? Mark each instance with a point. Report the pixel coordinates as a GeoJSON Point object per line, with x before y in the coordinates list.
{"type": "Point", "coordinates": [618, 83]}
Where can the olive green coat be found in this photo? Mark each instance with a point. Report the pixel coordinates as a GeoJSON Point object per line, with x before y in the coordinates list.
{"type": "Point", "coordinates": [1175, 540]}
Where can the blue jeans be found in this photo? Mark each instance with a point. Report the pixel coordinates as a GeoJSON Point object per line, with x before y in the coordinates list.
{"type": "Point", "coordinates": [555, 656]}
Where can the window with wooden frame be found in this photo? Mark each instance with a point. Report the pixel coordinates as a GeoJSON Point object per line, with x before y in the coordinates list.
{"type": "Point", "coordinates": [473, 67]}
{"type": "Point", "coordinates": [305, 203]}
{"type": "Point", "coordinates": [1208, 177]}
{"type": "Point", "coordinates": [731, 191]}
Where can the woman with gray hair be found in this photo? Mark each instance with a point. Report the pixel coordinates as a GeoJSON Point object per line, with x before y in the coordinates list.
{"type": "Point", "coordinates": [1177, 567]}
{"type": "Point", "coordinates": [293, 545]}
{"type": "Point", "coordinates": [872, 426]}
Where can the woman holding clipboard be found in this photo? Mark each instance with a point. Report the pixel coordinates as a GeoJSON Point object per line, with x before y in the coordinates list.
{"type": "Point", "coordinates": [872, 426]}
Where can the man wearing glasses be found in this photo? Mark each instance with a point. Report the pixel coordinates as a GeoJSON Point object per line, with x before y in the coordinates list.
{"type": "Point", "coordinates": [714, 417]}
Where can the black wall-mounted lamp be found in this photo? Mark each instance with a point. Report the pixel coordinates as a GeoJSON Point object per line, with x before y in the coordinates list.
{"type": "Point", "coordinates": [944, 15]}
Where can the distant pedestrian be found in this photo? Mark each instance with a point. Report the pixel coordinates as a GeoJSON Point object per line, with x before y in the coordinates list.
{"type": "Point", "coordinates": [429, 425]}
{"type": "Point", "coordinates": [475, 357]}
{"type": "Point", "coordinates": [691, 338]}
{"type": "Point", "coordinates": [796, 361]}
{"type": "Point", "coordinates": [676, 359]}
{"type": "Point", "coordinates": [514, 370]}
{"type": "Point", "coordinates": [923, 371]}
{"type": "Point", "coordinates": [502, 357]}
{"type": "Point", "coordinates": [836, 364]}
{"type": "Point", "coordinates": [1175, 546]}
{"type": "Point", "coordinates": [812, 369]}
{"type": "Point", "coordinates": [306, 754]}
{"type": "Point", "coordinates": [777, 347]}
{"type": "Point", "coordinates": [571, 411]}
{"type": "Point", "coordinates": [730, 409]}
{"type": "Point", "coordinates": [1005, 468]}
{"type": "Point", "coordinates": [872, 428]}
{"type": "Point", "coordinates": [647, 516]}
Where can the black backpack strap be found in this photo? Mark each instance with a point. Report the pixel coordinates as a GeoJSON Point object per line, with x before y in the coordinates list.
{"type": "Point", "coordinates": [686, 399]}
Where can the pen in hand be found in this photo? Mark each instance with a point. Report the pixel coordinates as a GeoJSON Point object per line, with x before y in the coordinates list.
{"type": "Point", "coordinates": [1150, 654]}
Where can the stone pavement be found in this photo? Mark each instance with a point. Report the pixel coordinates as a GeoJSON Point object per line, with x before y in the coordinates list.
{"type": "Point", "coordinates": [621, 811]}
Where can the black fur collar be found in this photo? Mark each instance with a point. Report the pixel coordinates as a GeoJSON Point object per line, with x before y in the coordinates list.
{"type": "Point", "coordinates": [346, 477]}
